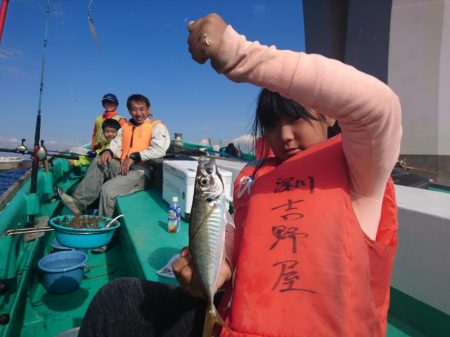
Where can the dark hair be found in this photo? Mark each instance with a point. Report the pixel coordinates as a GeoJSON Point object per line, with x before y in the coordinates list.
{"type": "Point", "coordinates": [138, 98]}
{"type": "Point", "coordinates": [110, 123]}
{"type": "Point", "coordinates": [272, 107]}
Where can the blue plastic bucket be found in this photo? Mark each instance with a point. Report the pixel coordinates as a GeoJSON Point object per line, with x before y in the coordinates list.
{"type": "Point", "coordinates": [57, 247]}
{"type": "Point", "coordinates": [62, 271]}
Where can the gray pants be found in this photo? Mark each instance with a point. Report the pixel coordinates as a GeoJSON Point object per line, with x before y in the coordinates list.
{"type": "Point", "coordinates": [106, 183]}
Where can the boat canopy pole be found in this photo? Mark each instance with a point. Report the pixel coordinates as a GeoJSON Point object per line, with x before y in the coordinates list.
{"type": "Point", "coordinates": [37, 133]}
{"type": "Point", "coordinates": [3, 11]}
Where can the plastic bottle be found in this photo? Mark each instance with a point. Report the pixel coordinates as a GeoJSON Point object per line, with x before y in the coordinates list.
{"type": "Point", "coordinates": [174, 216]}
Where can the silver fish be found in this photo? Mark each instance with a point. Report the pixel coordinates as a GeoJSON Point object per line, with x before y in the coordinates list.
{"type": "Point", "coordinates": [207, 235]}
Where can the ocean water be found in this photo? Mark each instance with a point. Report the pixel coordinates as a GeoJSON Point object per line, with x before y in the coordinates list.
{"type": "Point", "coordinates": [7, 178]}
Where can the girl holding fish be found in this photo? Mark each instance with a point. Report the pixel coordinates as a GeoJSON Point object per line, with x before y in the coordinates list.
{"type": "Point", "coordinates": [316, 226]}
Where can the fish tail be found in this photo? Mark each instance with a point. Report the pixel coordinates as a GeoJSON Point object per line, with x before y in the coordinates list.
{"type": "Point", "coordinates": [210, 320]}
{"type": "Point", "coordinates": [212, 317]}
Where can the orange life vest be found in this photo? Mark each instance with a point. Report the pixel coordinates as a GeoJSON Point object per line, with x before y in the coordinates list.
{"type": "Point", "coordinates": [136, 138]}
{"type": "Point", "coordinates": [304, 267]}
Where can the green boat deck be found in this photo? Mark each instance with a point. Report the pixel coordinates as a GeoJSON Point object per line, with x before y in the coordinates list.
{"type": "Point", "coordinates": [146, 235]}
{"type": "Point", "coordinates": [141, 246]}
{"type": "Point", "coordinates": [140, 249]}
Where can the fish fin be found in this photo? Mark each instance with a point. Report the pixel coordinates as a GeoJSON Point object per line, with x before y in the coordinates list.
{"type": "Point", "coordinates": [222, 323]}
{"type": "Point", "coordinates": [210, 320]}
{"type": "Point", "coordinates": [212, 317]}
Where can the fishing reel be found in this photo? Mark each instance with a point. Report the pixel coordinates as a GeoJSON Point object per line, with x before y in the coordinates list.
{"type": "Point", "coordinates": [22, 147]}
{"type": "Point", "coordinates": [41, 153]}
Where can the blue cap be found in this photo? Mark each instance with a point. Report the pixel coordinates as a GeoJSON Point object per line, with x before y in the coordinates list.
{"type": "Point", "coordinates": [110, 98]}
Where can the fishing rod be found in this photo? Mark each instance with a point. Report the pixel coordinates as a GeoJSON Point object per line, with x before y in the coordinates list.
{"type": "Point", "coordinates": [37, 133]}
{"type": "Point", "coordinates": [56, 154]}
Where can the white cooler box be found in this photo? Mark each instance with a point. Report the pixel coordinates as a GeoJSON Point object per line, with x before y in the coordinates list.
{"type": "Point", "coordinates": [179, 181]}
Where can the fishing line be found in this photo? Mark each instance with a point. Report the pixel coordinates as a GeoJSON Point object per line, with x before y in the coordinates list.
{"type": "Point", "coordinates": [203, 88]}
{"type": "Point", "coordinates": [66, 58]}
{"type": "Point", "coordinates": [97, 44]}
{"type": "Point", "coordinates": [204, 85]}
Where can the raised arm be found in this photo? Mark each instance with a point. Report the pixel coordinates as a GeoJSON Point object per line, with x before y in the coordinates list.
{"type": "Point", "coordinates": [368, 111]}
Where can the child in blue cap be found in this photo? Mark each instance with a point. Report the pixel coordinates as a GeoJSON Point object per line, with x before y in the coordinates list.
{"type": "Point", "coordinates": [110, 104]}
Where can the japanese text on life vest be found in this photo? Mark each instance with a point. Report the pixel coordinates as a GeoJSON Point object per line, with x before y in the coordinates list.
{"type": "Point", "coordinates": [288, 232]}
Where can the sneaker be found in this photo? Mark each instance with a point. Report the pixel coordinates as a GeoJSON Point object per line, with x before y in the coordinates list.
{"type": "Point", "coordinates": [68, 201]}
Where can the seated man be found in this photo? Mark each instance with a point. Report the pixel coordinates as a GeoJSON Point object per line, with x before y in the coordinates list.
{"type": "Point", "coordinates": [121, 169]}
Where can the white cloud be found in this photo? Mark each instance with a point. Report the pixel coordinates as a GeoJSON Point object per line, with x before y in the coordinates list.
{"type": "Point", "coordinates": [55, 145]}
{"type": "Point", "coordinates": [204, 141]}
{"type": "Point", "coordinates": [15, 70]}
{"type": "Point", "coordinates": [51, 142]}
{"type": "Point", "coordinates": [259, 11]}
{"type": "Point", "coordinates": [57, 13]}
{"type": "Point", "coordinates": [10, 54]}
{"type": "Point", "coordinates": [8, 142]}
{"type": "Point", "coordinates": [244, 142]}
{"type": "Point", "coordinates": [244, 139]}
{"type": "Point", "coordinates": [52, 145]}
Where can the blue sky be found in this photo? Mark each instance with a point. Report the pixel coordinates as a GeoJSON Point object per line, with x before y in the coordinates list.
{"type": "Point", "coordinates": [143, 50]}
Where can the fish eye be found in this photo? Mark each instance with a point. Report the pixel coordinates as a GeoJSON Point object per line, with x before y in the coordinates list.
{"type": "Point", "coordinates": [203, 181]}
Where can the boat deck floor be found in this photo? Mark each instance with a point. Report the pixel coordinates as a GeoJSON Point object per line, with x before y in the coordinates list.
{"type": "Point", "coordinates": [49, 314]}
{"type": "Point", "coordinates": [141, 247]}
